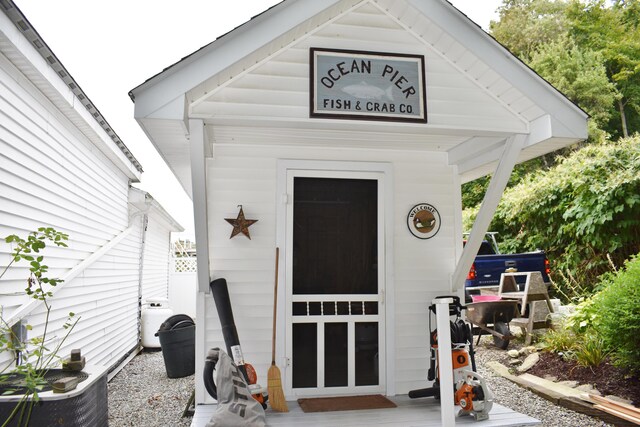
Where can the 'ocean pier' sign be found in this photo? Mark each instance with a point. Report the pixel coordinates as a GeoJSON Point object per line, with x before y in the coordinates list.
{"type": "Point", "coordinates": [367, 85]}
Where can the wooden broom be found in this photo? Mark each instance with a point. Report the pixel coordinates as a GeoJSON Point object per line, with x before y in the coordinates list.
{"type": "Point", "coordinates": [276, 395]}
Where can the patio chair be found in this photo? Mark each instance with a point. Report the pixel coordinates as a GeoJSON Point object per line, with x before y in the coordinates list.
{"type": "Point", "coordinates": [535, 304]}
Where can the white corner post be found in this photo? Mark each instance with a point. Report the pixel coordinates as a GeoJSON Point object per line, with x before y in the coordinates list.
{"type": "Point", "coordinates": [445, 365]}
{"type": "Point", "coordinates": [508, 159]}
{"type": "Point", "coordinates": [198, 150]}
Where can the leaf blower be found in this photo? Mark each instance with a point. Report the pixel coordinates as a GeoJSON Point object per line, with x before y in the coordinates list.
{"type": "Point", "coordinates": [220, 294]}
{"type": "Point", "coordinates": [471, 393]}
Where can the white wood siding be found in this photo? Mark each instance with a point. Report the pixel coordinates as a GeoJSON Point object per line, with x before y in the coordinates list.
{"type": "Point", "coordinates": [157, 248]}
{"type": "Point", "coordinates": [247, 176]}
{"type": "Point", "coordinates": [51, 175]}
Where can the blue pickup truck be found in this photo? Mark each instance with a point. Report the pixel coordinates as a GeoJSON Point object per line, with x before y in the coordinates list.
{"type": "Point", "coordinates": [489, 265]}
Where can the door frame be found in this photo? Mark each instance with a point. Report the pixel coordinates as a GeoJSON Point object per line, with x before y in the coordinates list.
{"type": "Point", "coordinates": [383, 172]}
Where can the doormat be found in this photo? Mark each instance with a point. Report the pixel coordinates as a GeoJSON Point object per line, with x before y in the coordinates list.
{"type": "Point", "coordinates": [345, 403]}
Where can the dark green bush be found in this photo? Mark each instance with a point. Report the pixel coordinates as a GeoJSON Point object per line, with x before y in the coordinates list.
{"type": "Point", "coordinates": [618, 314]}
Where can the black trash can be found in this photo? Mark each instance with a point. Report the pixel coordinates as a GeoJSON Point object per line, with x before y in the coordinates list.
{"type": "Point", "coordinates": [177, 337]}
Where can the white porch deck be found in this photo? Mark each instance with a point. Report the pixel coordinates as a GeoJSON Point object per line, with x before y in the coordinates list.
{"type": "Point", "coordinates": [410, 412]}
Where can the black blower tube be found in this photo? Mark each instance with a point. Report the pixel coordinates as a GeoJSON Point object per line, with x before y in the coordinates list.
{"type": "Point", "coordinates": [220, 294]}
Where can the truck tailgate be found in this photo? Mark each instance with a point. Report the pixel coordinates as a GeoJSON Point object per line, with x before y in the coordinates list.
{"type": "Point", "coordinates": [489, 268]}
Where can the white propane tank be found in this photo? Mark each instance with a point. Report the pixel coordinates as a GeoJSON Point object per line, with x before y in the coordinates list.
{"type": "Point", "coordinates": [154, 312]}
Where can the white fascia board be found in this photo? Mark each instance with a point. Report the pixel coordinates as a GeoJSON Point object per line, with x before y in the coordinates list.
{"type": "Point", "coordinates": [223, 52]}
{"type": "Point", "coordinates": [467, 157]}
{"type": "Point", "coordinates": [99, 137]}
{"type": "Point", "coordinates": [504, 63]}
{"type": "Point", "coordinates": [181, 170]}
{"type": "Point", "coordinates": [175, 109]}
{"type": "Point", "coordinates": [143, 201]}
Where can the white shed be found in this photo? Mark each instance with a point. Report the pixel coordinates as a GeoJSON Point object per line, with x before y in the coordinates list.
{"type": "Point", "coordinates": [62, 166]}
{"type": "Point", "coordinates": [346, 128]}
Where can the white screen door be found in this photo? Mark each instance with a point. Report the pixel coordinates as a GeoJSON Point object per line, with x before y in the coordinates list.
{"type": "Point", "coordinates": [335, 283]}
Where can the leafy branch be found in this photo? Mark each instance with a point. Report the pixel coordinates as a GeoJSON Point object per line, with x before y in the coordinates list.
{"type": "Point", "coordinates": [34, 356]}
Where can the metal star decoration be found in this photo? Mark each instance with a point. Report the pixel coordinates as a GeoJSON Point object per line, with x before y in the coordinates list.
{"type": "Point", "coordinates": [240, 224]}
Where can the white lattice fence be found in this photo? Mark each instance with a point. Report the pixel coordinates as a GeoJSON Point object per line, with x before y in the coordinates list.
{"type": "Point", "coordinates": [183, 285]}
{"type": "Point", "coordinates": [184, 265]}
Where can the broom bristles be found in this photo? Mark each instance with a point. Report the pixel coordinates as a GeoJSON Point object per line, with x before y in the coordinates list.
{"type": "Point", "coordinates": [274, 386]}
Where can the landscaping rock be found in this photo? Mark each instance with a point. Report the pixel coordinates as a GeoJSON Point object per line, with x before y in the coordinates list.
{"type": "Point", "coordinates": [550, 378]}
{"type": "Point", "coordinates": [572, 384]}
{"type": "Point", "coordinates": [515, 362]}
{"type": "Point", "coordinates": [588, 388]}
{"type": "Point", "coordinates": [528, 363]}
{"type": "Point", "coordinates": [498, 368]}
{"type": "Point", "coordinates": [528, 350]}
{"type": "Point", "coordinates": [513, 353]}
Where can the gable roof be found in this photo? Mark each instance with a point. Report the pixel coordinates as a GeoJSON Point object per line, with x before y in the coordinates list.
{"type": "Point", "coordinates": [480, 94]}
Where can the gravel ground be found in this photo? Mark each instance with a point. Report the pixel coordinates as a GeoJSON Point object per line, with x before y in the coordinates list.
{"type": "Point", "coordinates": [142, 395]}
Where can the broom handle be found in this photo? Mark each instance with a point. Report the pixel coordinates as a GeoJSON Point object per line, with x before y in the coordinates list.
{"type": "Point", "coordinates": [275, 305]}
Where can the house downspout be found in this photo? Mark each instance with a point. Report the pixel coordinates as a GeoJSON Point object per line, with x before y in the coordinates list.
{"type": "Point", "coordinates": [143, 242]}
{"type": "Point", "coordinates": [137, 348]}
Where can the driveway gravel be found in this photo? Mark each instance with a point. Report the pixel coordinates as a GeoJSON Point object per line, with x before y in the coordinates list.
{"type": "Point", "coordinates": [142, 395]}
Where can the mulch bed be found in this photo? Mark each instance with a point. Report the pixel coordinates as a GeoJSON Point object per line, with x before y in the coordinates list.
{"type": "Point", "coordinates": [606, 378]}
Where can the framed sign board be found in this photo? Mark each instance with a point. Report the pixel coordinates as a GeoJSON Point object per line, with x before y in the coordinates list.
{"type": "Point", "coordinates": [367, 86]}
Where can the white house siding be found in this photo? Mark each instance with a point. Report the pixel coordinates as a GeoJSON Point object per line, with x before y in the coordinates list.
{"type": "Point", "coordinates": [247, 176]}
{"type": "Point", "coordinates": [157, 248]}
{"type": "Point", "coordinates": [105, 297]}
{"type": "Point", "coordinates": [51, 174]}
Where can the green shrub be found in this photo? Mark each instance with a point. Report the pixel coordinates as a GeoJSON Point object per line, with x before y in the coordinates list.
{"type": "Point", "coordinates": [560, 340]}
{"type": "Point", "coordinates": [583, 317]}
{"type": "Point", "coordinates": [617, 309]}
{"type": "Point", "coordinates": [591, 350]}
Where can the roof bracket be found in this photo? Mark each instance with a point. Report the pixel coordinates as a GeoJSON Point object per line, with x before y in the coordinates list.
{"type": "Point", "coordinates": [492, 197]}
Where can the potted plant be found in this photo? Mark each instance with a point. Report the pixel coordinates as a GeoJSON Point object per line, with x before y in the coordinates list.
{"type": "Point", "coordinates": [29, 359]}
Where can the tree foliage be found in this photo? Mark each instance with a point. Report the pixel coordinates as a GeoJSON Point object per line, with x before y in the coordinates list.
{"type": "Point", "coordinates": [615, 33]}
{"type": "Point", "coordinates": [580, 74]}
{"type": "Point", "coordinates": [526, 25]}
{"type": "Point", "coordinates": [592, 32]}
